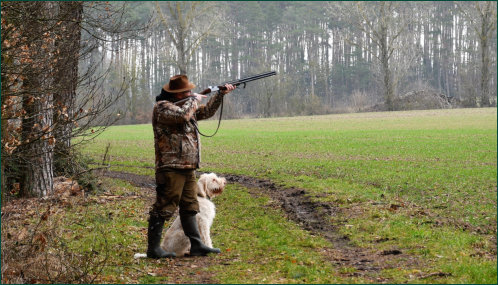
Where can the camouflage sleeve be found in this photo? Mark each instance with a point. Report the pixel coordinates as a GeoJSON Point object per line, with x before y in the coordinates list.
{"type": "Point", "coordinates": [208, 110]}
{"type": "Point", "coordinates": [169, 113]}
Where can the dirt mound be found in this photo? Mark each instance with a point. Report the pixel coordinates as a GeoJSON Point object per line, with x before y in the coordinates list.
{"type": "Point", "coordinates": [422, 100]}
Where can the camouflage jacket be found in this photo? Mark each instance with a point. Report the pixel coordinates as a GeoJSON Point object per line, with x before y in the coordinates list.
{"type": "Point", "coordinates": [176, 141]}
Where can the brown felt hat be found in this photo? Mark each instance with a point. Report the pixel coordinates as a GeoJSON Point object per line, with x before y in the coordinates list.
{"type": "Point", "coordinates": [178, 83]}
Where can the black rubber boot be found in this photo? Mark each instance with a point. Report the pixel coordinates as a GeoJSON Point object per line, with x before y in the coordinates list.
{"type": "Point", "coordinates": [191, 230]}
{"type": "Point", "coordinates": [155, 230]}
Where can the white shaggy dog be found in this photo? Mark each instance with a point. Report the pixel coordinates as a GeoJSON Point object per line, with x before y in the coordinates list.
{"type": "Point", "coordinates": [209, 186]}
{"type": "Point", "coordinates": [175, 240]}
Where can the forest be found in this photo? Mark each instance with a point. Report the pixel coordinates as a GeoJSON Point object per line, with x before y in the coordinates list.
{"type": "Point", "coordinates": [331, 57]}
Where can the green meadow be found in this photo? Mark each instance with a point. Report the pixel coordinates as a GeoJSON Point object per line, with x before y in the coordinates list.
{"type": "Point", "coordinates": [421, 182]}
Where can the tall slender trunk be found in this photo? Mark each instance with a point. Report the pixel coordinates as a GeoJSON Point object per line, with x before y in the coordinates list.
{"type": "Point", "coordinates": [182, 52]}
{"type": "Point", "coordinates": [386, 72]}
{"type": "Point", "coordinates": [484, 74]}
{"type": "Point", "coordinates": [483, 40]}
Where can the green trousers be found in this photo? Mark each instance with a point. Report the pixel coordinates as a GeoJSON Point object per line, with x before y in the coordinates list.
{"type": "Point", "coordinates": [175, 188]}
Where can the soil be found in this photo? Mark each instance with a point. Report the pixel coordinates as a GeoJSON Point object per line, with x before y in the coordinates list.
{"type": "Point", "coordinates": [310, 215]}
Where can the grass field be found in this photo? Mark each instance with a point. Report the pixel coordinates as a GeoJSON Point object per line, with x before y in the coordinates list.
{"type": "Point", "coordinates": [423, 182]}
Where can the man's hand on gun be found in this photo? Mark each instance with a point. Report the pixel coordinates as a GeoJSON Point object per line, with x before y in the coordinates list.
{"type": "Point", "coordinates": [229, 89]}
{"type": "Point", "coordinates": [199, 97]}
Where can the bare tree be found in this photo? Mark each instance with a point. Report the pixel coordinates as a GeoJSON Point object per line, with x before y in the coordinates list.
{"type": "Point", "coordinates": [382, 24]}
{"type": "Point", "coordinates": [187, 24]}
{"type": "Point", "coordinates": [482, 17]}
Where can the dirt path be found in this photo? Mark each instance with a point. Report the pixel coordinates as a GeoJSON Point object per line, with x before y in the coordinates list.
{"type": "Point", "coordinates": [312, 216]}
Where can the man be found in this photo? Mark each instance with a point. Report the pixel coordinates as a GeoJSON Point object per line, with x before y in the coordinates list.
{"type": "Point", "coordinates": [177, 148]}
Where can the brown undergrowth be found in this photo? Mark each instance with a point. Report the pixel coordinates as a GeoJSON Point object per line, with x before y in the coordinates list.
{"type": "Point", "coordinates": [33, 245]}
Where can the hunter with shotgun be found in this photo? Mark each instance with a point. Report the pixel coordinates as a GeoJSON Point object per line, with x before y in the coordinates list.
{"type": "Point", "coordinates": [177, 153]}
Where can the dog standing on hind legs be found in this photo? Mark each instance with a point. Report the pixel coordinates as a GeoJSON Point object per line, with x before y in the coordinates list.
{"type": "Point", "coordinates": [175, 240]}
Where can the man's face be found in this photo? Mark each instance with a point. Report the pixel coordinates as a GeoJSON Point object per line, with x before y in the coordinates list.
{"type": "Point", "coordinates": [183, 95]}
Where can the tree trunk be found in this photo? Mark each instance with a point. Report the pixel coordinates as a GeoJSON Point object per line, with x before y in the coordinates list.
{"type": "Point", "coordinates": [37, 178]}
{"type": "Point", "coordinates": [484, 38]}
{"type": "Point", "coordinates": [181, 50]}
{"type": "Point", "coordinates": [386, 72]}
{"type": "Point", "coordinates": [66, 77]}
{"type": "Point", "coordinates": [484, 73]}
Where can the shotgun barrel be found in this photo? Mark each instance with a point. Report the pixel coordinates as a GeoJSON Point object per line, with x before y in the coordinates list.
{"type": "Point", "coordinates": [236, 82]}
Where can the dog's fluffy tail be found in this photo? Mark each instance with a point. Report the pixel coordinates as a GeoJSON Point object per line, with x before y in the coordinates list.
{"type": "Point", "coordinates": [139, 255]}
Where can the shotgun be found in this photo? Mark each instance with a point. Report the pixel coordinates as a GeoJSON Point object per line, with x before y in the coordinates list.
{"type": "Point", "coordinates": [236, 82]}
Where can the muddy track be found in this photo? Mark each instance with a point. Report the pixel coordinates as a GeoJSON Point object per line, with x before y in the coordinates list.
{"type": "Point", "coordinates": [310, 215]}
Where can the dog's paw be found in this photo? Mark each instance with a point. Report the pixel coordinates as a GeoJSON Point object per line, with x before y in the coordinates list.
{"type": "Point", "coordinates": [139, 255]}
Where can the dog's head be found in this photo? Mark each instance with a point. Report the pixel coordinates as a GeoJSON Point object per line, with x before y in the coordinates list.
{"type": "Point", "coordinates": [210, 185]}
